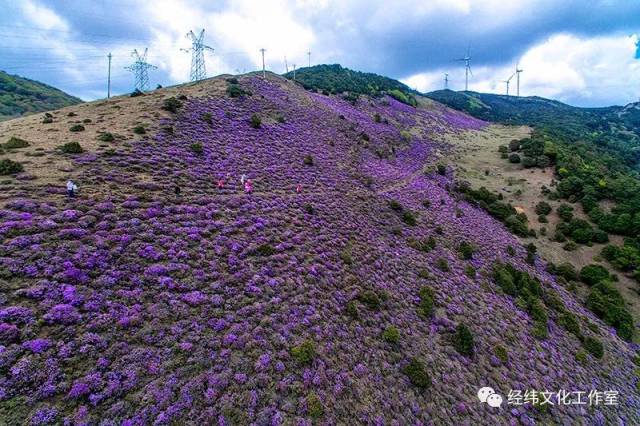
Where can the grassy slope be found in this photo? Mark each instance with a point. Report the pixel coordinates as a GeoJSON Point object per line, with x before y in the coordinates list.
{"type": "Point", "coordinates": [20, 96]}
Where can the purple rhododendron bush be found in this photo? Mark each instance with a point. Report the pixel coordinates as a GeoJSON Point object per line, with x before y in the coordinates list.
{"type": "Point", "coordinates": [334, 293]}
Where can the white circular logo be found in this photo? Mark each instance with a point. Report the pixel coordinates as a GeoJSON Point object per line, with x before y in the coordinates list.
{"type": "Point", "coordinates": [484, 393]}
{"type": "Point", "coordinates": [494, 400]}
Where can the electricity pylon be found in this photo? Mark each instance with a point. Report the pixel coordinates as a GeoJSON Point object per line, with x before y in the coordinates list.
{"type": "Point", "coordinates": [140, 68]}
{"type": "Point", "coordinates": [198, 69]}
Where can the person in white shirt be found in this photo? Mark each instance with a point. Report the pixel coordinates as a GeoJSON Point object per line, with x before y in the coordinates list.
{"type": "Point", "coordinates": [71, 188]}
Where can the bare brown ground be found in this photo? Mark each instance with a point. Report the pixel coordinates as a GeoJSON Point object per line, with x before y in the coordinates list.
{"type": "Point", "coordinates": [44, 165]}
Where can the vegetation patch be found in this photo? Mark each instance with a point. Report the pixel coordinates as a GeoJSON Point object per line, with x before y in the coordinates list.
{"type": "Point", "coordinates": [9, 167]}
{"type": "Point", "coordinates": [71, 148]}
{"type": "Point", "coordinates": [15, 143]}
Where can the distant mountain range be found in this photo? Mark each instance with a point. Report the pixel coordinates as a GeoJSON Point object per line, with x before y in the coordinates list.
{"type": "Point", "coordinates": [21, 96]}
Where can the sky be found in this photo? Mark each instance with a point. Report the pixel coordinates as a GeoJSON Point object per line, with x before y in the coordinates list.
{"type": "Point", "coordinates": [582, 52]}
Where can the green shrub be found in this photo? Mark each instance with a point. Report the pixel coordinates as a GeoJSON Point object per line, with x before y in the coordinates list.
{"type": "Point", "coordinates": [540, 330]}
{"type": "Point", "coordinates": [106, 137]}
{"type": "Point", "coordinates": [370, 299]}
{"type": "Point", "coordinates": [345, 255]}
{"type": "Point", "coordinates": [255, 121]}
{"type": "Point", "coordinates": [139, 130]}
{"type": "Point", "coordinates": [443, 264]}
{"type": "Point", "coordinates": [565, 212]}
{"type": "Point", "coordinates": [442, 169]}
{"type": "Point", "coordinates": [377, 118]}
{"type": "Point", "coordinates": [570, 246]}
{"type": "Point", "coordinates": [417, 374]}
{"type": "Point", "coordinates": [600, 237]}
{"type": "Point", "coordinates": [426, 204]}
{"type": "Point", "coordinates": [196, 148]}
{"type": "Point", "coordinates": [514, 158]}
{"type": "Point", "coordinates": [314, 406]}
{"type": "Point", "coordinates": [235, 91]}
{"type": "Point", "coordinates": [466, 250]}
{"type": "Point", "coordinates": [47, 120]}
{"type": "Point", "coordinates": [171, 104]}
{"type": "Point", "coordinates": [71, 148]}
{"type": "Point", "coordinates": [396, 206]}
{"type": "Point", "coordinates": [593, 274]}
{"type": "Point", "coordinates": [569, 322]}
{"type": "Point", "coordinates": [501, 352]}
{"type": "Point", "coordinates": [391, 335]}
{"type": "Point", "coordinates": [503, 149]}
{"type": "Point", "coordinates": [264, 250]}
{"type": "Point", "coordinates": [9, 167]}
{"type": "Point", "coordinates": [581, 356]}
{"type": "Point", "coordinates": [463, 340]}
{"type": "Point", "coordinates": [593, 346]}
{"type": "Point", "coordinates": [409, 218]}
{"type": "Point", "coordinates": [470, 271]}
{"type": "Point", "coordinates": [607, 303]}
{"type": "Point", "coordinates": [207, 118]}
{"type": "Point", "coordinates": [15, 143]}
{"type": "Point", "coordinates": [76, 128]}
{"type": "Point", "coordinates": [514, 145]}
{"type": "Point", "coordinates": [511, 251]}
{"type": "Point", "coordinates": [136, 93]}
{"type": "Point", "coordinates": [352, 309]}
{"type": "Point", "coordinates": [567, 271]}
{"type": "Point", "coordinates": [308, 160]}
{"type": "Point", "coordinates": [304, 353]}
{"type": "Point", "coordinates": [427, 301]}
{"type": "Point", "coordinates": [543, 208]}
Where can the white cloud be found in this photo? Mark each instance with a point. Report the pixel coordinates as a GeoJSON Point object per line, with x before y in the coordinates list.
{"type": "Point", "coordinates": [584, 71]}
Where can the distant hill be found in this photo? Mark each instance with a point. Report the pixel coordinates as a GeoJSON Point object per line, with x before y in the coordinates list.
{"type": "Point", "coordinates": [613, 130]}
{"type": "Point", "coordinates": [334, 79]}
{"type": "Point", "coordinates": [20, 96]}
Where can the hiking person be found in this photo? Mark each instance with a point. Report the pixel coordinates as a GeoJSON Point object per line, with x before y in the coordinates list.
{"type": "Point", "coordinates": [243, 179]}
{"type": "Point", "coordinates": [220, 183]}
{"type": "Point", "coordinates": [177, 190]}
{"type": "Point", "coordinates": [298, 188]}
{"type": "Point", "coordinates": [71, 188]}
{"type": "Point", "coordinates": [248, 186]}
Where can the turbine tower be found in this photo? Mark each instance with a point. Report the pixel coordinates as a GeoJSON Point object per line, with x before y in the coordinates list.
{"type": "Point", "coordinates": [198, 69]}
{"type": "Point", "coordinates": [467, 69]}
{"type": "Point", "coordinates": [446, 81]}
{"type": "Point", "coordinates": [518, 71]}
{"type": "Point", "coordinates": [140, 68]}
{"type": "Point", "coordinates": [507, 81]}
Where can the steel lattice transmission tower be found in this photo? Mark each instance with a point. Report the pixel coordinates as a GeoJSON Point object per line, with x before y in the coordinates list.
{"type": "Point", "coordinates": [140, 68]}
{"type": "Point", "coordinates": [198, 69]}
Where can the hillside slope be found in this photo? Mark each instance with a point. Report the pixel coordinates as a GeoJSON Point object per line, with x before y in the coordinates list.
{"type": "Point", "coordinates": [339, 291]}
{"type": "Point", "coordinates": [20, 96]}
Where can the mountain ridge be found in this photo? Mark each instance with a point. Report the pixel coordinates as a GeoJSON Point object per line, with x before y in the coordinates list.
{"type": "Point", "coordinates": [20, 96]}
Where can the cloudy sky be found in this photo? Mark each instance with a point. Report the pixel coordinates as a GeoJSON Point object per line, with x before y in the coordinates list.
{"type": "Point", "coordinates": [583, 52]}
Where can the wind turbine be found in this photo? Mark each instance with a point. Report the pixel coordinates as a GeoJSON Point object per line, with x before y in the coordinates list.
{"type": "Point", "coordinates": [467, 69]}
{"type": "Point", "coordinates": [518, 71]}
{"type": "Point", "coordinates": [446, 81]}
{"type": "Point", "coordinates": [507, 81]}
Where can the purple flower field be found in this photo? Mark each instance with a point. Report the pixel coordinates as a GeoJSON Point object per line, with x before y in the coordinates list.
{"type": "Point", "coordinates": [139, 306]}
